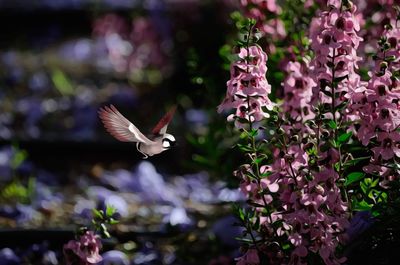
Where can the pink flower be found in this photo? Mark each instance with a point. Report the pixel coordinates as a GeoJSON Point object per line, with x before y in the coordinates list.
{"type": "Point", "coordinates": [334, 41]}
{"type": "Point", "coordinates": [248, 89]}
{"type": "Point", "coordinates": [389, 145]}
{"type": "Point", "coordinates": [85, 251]}
{"type": "Point", "coordinates": [379, 110]}
{"type": "Point", "coordinates": [298, 87]}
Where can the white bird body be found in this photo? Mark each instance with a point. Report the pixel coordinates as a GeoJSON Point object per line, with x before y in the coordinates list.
{"type": "Point", "coordinates": [124, 130]}
{"type": "Point", "coordinates": [156, 148]}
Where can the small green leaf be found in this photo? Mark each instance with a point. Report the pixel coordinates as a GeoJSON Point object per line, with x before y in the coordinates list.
{"type": "Point", "coordinates": [243, 135]}
{"type": "Point", "coordinates": [353, 177]}
{"type": "Point", "coordinates": [286, 246]}
{"type": "Point", "coordinates": [258, 160]}
{"type": "Point", "coordinates": [368, 182]}
{"type": "Point", "coordinates": [382, 197]}
{"type": "Point", "coordinates": [253, 132]}
{"type": "Point", "coordinates": [244, 148]}
{"type": "Point", "coordinates": [363, 206]}
{"type": "Point", "coordinates": [112, 221]}
{"type": "Point", "coordinates": [345, 137]}
{"type": "Point", "coordinates": [97, 214]}
{"type": "Point", "coordinates": [241, 214]}
{"type": "Point", "coordinates": [110, 210]}
{"type": "Point", "coordinates": [18, 158]}
{"type": "Point", "coordinates": [374, 183]}
{"type": "Point", "coordinates": [372, 194]}
{"type": "Point", "coordinates": [332, 124]}
{"type": "Point", "coordinates": [364, 187]}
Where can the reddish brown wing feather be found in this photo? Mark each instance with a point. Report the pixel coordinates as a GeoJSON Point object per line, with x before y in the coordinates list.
{"type": "Point", "coordinates": [164, 121]}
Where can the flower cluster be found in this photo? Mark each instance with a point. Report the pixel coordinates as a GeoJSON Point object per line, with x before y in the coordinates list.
{"type": "Point", "coordinates": [315, 211]}
{"type": "Point", "coordinates": [248, 89]}
{"type": "Point", "coordinates": [375, 15]}
{"type": "Point", "coordinates": [334, 41]}
{"type": "Point", "coordinates": [301, 189]}
{"type": "Point", "coordinates": [298, 87]}
{"type": "Point", "coordinates": [379, 105]}
{"type": "Point", "coordinates": [84, 251]}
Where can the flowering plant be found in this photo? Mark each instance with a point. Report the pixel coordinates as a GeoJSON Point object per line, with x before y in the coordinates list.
{"type": "Point", "coordinates": [328, 151]}
{"type": "Point", "coordinates": [84, 250]}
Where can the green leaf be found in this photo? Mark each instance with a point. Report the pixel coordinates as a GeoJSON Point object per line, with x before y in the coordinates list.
{"type": "Point", "coordinates": [18, 158]}
{"type": "Point", "coordinates": [368, 182]}
{"type": "Point", "coordinates": [372, 194]}
{"type": "Point", "coordinates": [259, 160]}
{"type": "Point", "coordinates": [382, 197]}
{"type": "Point", "coordinates": [374, 183]}
{"type": "Point", "coordinates": [243, 135]}
{"type": "Point", "coordinates": [97, 214]}
{"type": "Point", "coordinates": [62, 83]}
{"type": "Point", "coordinates": [241, 214]}
{"type": "Point", "coordinates": [112, 221]}
{"type": "Point", "coordinates": [244, 148]}
{"type": "Point", "coordinates": [363, 206]}
{"type": "Point", "coordinates": [332, 124]}
{"type": "Point", "coordinates": [364, 187]}
{"type": "Point", "coordinates": [334, 143]}
{"type": "Point", "coordinates": [110, 210]}
{"type": "Point", "coordinates": [345, 137]}
{"type": "Point", "coordinates": [285, 246]}
{"type": "Point", "coordinates": [253, 132]}
{"type": "Point", "coordinates": [353, 177]}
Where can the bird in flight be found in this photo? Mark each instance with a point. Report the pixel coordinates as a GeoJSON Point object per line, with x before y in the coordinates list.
{"type": "Point", "coordinates": [124, 130]}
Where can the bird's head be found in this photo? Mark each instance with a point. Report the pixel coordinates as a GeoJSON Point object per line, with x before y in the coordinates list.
{"type": "Point", "coordinates": [168, 141]}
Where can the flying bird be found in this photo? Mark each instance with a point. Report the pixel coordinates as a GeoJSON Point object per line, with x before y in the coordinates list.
{"type": "Point", "coordinates": [124, 130]}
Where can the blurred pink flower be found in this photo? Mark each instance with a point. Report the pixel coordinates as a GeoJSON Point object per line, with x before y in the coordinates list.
{"type": "Point", "coordinates": [84, 251]}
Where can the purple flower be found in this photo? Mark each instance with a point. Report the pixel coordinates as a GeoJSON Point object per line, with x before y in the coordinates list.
{"type": "Point", "coordinates": [114, 257]}
{"type": "Point", "coordinates": [8, 257]}
{"type": "Point", "coordinates": [178, 216]}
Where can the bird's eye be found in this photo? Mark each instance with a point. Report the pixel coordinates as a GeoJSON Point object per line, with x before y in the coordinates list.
{"type": "Point", "coordinates": [166, 144]}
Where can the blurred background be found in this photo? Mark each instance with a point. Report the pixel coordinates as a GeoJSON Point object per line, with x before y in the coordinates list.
{"type": "Point", "coordinates": [60, 61]}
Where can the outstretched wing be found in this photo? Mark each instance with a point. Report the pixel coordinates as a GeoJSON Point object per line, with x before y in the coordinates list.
{"type": "Point", "coordinates": [120, 127]}
{"type": "Point", "coordinates": [161, 127]}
